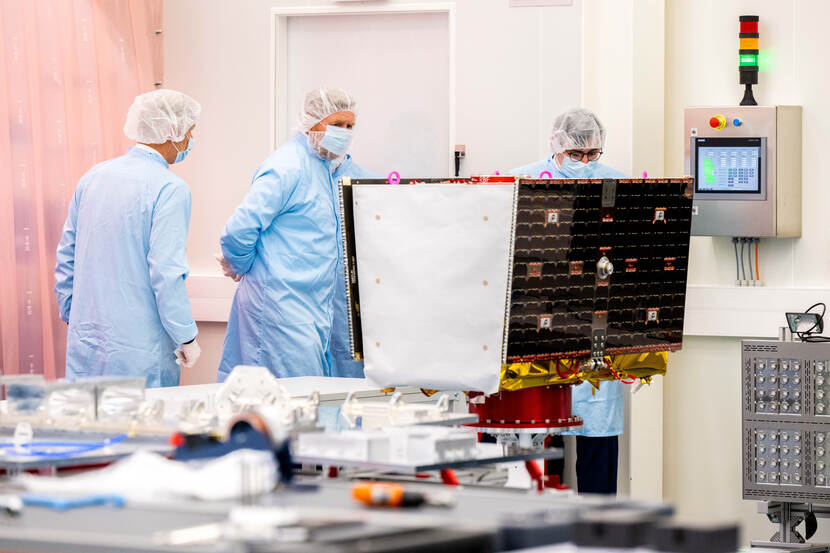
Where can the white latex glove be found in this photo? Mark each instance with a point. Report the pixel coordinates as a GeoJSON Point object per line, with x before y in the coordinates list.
{"type": "Point", "coordinates": [226, 268]}
{"type": "Point", "coordinates": [187, 354]}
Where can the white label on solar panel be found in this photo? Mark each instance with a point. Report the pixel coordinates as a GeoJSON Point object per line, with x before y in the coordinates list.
{"type": "Point", "coordinates": [432, 263]}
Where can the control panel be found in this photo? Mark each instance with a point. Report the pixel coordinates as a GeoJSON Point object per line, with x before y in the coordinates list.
{"type": "Point", "coordinates": [746, 162]}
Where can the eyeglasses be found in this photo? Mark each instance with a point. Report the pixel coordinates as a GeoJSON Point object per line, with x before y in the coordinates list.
{"type": "Point", "coordinates": [578, 155]}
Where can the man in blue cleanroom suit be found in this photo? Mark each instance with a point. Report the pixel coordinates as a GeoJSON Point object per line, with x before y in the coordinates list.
{"type": "Point", "coordinates": [576, 144]}
{"type": "Point", "coordinates": [283, 246]}
{"type": "Point", "coordinates": [122, 263]}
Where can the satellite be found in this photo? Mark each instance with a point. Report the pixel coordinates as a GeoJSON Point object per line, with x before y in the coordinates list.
{"type": "Point", "coordinates": [450, 280]}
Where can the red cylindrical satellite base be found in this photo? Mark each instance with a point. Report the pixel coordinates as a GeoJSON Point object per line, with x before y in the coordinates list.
{"type": "Point", "coordinates": [541, 409]}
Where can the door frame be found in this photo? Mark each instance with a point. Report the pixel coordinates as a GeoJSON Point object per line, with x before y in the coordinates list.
{"type": "Point", "coordinates": [280, 123]}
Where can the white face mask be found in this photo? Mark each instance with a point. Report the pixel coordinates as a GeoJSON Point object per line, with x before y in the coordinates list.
{"type": "Point", "coordinates": [576, 169]}
{"type": "Point", "coordinates": [337, 140]}
{"type": "Point", "coordinates": [332, 143]}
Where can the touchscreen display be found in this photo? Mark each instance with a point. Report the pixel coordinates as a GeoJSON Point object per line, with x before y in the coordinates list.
{"type": "Point", "coordinates": [727, 165]}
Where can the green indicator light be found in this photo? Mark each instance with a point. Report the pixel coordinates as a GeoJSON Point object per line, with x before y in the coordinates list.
{"type": "Point", "coordinates": [709, 170]}
{"type": "Point", "coordinates": [748, 59]}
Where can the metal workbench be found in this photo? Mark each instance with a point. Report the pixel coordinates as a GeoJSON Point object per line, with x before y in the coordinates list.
{"type": "Point", "coordinates": [481, 520]}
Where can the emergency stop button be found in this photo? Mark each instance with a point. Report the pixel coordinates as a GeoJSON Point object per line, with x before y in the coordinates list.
{"type": "Point", "coordinates": [717, 122]}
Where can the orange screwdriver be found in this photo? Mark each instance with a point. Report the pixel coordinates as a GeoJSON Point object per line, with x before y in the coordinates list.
{"type": "Point", "coordinates": [385, 494]}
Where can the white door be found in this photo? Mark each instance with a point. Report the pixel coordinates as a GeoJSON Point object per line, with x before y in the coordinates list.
{"type": "Point", "coordinates": [396, 65]}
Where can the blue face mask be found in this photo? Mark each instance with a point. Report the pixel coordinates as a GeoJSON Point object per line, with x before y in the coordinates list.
{"type": "Point", "coordinates": [336, 140]}
{"type": "Point", "coordinates": [576, 169]}
{"type": "Point", "coordinates": [183, 154]}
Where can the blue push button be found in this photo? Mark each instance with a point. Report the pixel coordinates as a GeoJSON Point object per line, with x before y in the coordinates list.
{"type": "Point", "coordinates": [736, 122]}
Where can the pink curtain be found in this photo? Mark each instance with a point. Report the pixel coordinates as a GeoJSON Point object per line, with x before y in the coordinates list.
{"type": "Point", "coordinates": [69, 70]}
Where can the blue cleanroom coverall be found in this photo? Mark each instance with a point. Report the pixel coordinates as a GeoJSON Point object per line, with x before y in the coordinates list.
{"type": "Point", "coordinates": [289, 312]}
{"type": "Point", "coordinates": [121, 269]}
{"type": "Point", "coordinates": [602, 411]}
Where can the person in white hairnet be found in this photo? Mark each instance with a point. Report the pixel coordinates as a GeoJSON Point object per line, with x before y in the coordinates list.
{"type": "Point", "coordinates": [283, 246]}
{"type": "Point", "coordinates": [121, 261]}
{"type": "Point", "coordinates": [576, 141]}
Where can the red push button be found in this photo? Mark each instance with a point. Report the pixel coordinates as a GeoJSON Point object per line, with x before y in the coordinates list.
{"type": "Point", "coordinates": [717, 122]}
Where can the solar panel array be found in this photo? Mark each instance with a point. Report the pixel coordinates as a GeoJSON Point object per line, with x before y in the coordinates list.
{"type": "Point", "coordinates": [563, 228]}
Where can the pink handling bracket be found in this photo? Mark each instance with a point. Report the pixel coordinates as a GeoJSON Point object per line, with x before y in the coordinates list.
{"type": "Point", "coordinates": [543, 173]}
{"type": "Point", "coordinates": [393, 178]}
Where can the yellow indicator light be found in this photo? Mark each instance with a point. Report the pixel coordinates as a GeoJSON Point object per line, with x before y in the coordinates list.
{"type": "Point", "coordinates": [748, 43]}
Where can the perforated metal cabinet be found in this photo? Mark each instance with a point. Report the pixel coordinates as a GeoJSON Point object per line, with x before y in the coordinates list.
{"type": "Point", "coordinates": [786, 420]}
{"type": "Point", "coordinates": [775, 209]}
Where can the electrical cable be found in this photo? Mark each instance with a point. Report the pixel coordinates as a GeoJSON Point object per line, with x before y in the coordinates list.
{"type": "Point", "coordinates": [820, 317]}
{"type": "Point", "coordinates": [625, 378]}
{"type": "Point", "coordinates": [737, 271]}
{"type": "Point", "coordinates": [743, 271]}
{"type": "Point", "coordinates": [569, 375]}
{"type": "Point", "coordinates": [757, 265]}
{"type": "Point", "coordinates": [749, 256]}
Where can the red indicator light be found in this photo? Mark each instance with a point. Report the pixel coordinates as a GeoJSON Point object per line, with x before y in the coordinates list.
{"type": "Point", "coordinates": [749, 26]}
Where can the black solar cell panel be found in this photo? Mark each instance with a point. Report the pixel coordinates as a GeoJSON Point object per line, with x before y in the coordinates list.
{"type": "Point", "coordinates": [562, 231]}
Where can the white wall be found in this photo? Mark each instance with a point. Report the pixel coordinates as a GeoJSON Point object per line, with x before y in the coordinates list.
{"type": "Point", "coordinates": [515, 69]}
{"type": "Point", "coordinates": [608, 78]}
{"type": "Point", "coordinates": [702, 421]}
